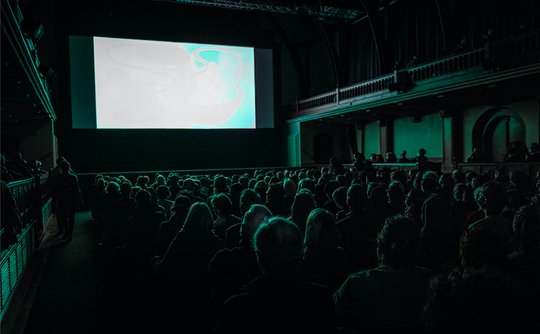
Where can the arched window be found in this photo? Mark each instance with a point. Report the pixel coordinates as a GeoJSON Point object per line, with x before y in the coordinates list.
{"type": "Point", "coordinates": [495, 130]}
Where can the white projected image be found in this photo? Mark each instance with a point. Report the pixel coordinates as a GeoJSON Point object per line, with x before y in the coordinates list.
{"type": "Point", "coordinates": [152, 84]}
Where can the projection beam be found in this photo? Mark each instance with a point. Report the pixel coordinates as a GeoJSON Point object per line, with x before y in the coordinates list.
{"type": "Point", "coordinates": [321, 11]}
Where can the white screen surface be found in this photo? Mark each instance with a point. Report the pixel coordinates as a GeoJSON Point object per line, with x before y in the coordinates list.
{"type": "Point", "coordinates": [154, 84]}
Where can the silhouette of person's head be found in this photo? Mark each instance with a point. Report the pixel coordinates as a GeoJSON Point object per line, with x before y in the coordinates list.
{"type": "Point", "coordinates": [248, 197]}
{"type": "Point", "coordinates": [279, 246]}
{"type": "Point", "coordinates": [526, 226]}
{"type": "Point", "coordinates": [339, 196]}
{"type": "Point", "coordinates": [358, 156]}
{"type": "Point", "coordinates": [220, 184]}
{"type": "Point", "coordinates": [356, 197]}
{"type": "Point", "coordinates": [163, 192]}
{"type": "Point", "coordinates": [492, 198]}
{"type": "Point", "coordinates": [481, 248]}
{"type": "Point", "coordinates": [303, 203]}
{"type": "Point", "coordinates": [253, 218]}
{"type": "Point", "coordinates": [143, 198]}
{"type": "Point", "coordinates": [398, 242]}
{"type": "Point", "coordinates": [429, 185]}
{"type": "Point", "coordinates": [199, 219]}
{"type": "Point", "coordinates": [321, 229]}
{"type": "Point", "coordinates": [222, 205]}
{"type": "Point", "coordinates": [181, 204]}
{"type": "Point", "coordinates": [275, 193]}
{"type": "Point", "coordinates": [390, 157]}
{"type": "Point", "coordinates": [474, 301]}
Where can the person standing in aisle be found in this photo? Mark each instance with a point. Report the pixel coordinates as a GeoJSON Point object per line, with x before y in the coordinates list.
{"type": "Point", "coordinates": [66, 195]}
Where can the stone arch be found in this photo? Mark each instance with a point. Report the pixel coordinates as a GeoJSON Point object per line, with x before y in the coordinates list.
{"type": "Point", "coordinates": [495, 129]}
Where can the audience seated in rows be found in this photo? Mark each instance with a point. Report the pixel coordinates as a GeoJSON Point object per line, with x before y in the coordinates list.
{"type": "Point", "coordinates": [373, 239]}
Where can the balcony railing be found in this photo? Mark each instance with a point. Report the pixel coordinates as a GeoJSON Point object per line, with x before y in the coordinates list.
{"type": "Point", "coordinates": [494, 57]}
{"type": "Point", "coordinates": [15, 257]}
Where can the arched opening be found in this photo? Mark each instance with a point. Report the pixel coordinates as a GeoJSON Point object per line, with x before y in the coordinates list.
{"type": "Point", "coordinates": [499, 133]}
{"type": "Point", "coordinates": [495, 130]}
{"type": "Point", "coordinates": [323, 148]}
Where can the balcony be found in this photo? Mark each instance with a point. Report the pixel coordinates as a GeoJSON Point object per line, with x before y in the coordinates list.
{"type": "Point", "coordinates": [506, 59]}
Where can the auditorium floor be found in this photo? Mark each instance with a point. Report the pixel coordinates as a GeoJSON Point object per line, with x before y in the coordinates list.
{"type": "Point", "coordinates": [68, 291]}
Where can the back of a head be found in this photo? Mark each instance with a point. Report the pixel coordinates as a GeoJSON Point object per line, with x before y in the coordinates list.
{"type": "Point", "coordinates": [526, 227]}
{"type": "Point", "coordinates": [458, 176]}
{"type": "Point", "coordinates": [181, 203]}
{"type": "Point", "coordinates": [248, 197]}
{"type": "Point", "coordinates": [220, 184]}
{"type": "Point", "coordinates": [163, 192]}
{"type": "Point", "coordinates": [289, 187]}
{"type": "Point", "coordinates": [474, 301]}
{"type": "Point", "coordinates": [356, 197]}
{"type": "Point", "coordinates": [188, 184]}
{"type": "Point", "coordinates": [253, 218]}
{"type": "Point", "coordinates": [446, 180]}
{"type": "Point", "coordinates": [378, 197]}
{"type": "Point", "coordinates": [113, 188]}
{"type": "Point", "coordinates": [125, 188]}
{"type": "Point", "coordinates": [160, 179]}
{"type": "Point", "coordinates": [459, 192]}
{"type": "Point", "coordinates": [429, 185]}
{"type": "Point", "coordinates": [340, 197]}
{"type": "Point", "coordinates": [493, 197]}
{"type": "Point", "coordinates": [275, 193]}
{"type": "Point", "coordinates": [330, 186]}
{"type": "Point", "coordinates": [307, 183]}
{"type": "Point", "coordinates": [278, 245]}
{"type": "Point", "coordinates": [244, 181]}
{"type": "Point", "coordinates": [222, 204]}
{"type": "Point", "coordinates": [143, 198]}
{"type": "Point", "coordinates": [260, 187]}
{"type": "Point", "coordinates": [415, 198]}
{"type": "Point", "coordinates": [199, 219]}
{"type": "Point", "coordinates": [521, 181]}
{"type": "Point", "coordinates": [396, 192]}
{"type": "Point", "coordinates": [481, 248]}
{"type": "Point", "coordinates": [303, 203]}
{"type": "Point", "coordinates": [320, 229]}
{"type": "Point", "coordinates": [398, 242]}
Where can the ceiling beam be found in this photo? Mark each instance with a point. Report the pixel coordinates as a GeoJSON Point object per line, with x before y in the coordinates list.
{"type": "Point", "coordinates": [281, 7]}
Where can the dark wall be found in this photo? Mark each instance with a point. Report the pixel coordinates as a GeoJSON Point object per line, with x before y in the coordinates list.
{"type": "Point", "coordinates": [136, 150]}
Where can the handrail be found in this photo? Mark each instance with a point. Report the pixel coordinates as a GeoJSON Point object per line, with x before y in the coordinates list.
{"type": "Point", "coordinates": [375, 85]}
{"type": "Point", "coordinates": [13, 263]}
{"type": "Point", "coordinates": [486, 58]}
{"type": "Point", "coordinates": [530, 168]}
{"type": "Point", "coordinates": [448, 65]}
{"type": "Point", "coordinates": [189, 171]}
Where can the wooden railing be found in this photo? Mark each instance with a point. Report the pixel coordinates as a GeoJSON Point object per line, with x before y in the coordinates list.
{"type": "Point", "coordinates": [489, 168]}
{"type": "Point", "coordinates": [448, 65]}
{"type": "Point", "coordinates": [13, 263]}
{"type": "Point", "coordinates": [27, 196]}
{"type": "Point", "coordinates": [491, 58]}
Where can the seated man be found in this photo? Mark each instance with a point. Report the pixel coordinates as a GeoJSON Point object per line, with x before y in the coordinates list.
{"type": "Point", "coordinates": [403, 157]}
{"type": "Point", "coordinates": [390, 296]}
{"type": "Point", "coordinates": [278, 301]}
{"type": "Point", "coordinates": [230, 269]}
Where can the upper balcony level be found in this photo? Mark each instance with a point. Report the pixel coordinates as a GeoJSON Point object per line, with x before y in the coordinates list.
{"type": "Point", "coordinates": [495, 62]}
{"type": "Point", "coordinates": [24, 82]}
